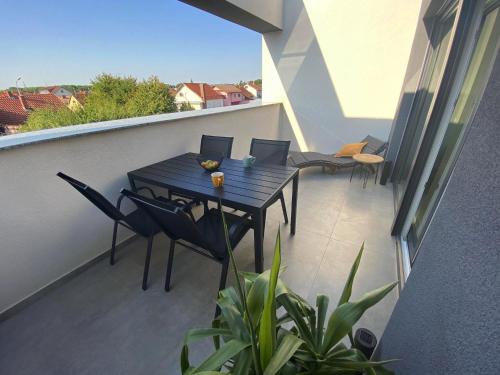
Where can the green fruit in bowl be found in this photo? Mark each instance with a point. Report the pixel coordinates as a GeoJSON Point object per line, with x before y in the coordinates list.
{"type": "Point", "coordinates": [210, 164]}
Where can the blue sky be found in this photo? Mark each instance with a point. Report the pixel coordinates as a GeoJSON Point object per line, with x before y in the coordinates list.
{"type": "Point", "coordinates": [64, 42]}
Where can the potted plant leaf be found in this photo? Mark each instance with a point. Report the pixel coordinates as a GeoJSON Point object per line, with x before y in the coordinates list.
{"type": "Point", "coordinates": [264, 328]}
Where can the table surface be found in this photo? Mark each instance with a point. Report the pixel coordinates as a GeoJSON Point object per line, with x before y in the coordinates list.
{"type": "Point", "coordinates": [244, 188]}
{"type": "Point", "coordinates": [368, 158]}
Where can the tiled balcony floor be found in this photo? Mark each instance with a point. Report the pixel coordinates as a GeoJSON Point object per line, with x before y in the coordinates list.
{"type": "Point", "coordinates": [101, 322]}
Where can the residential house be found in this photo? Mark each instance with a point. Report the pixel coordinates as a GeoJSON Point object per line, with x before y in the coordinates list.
{"type": "Point", "coordinates": [198, 96]}
{"type": "Point", "coordinates": [254, 89]}
{"type": "Point", "coordinates": [231, 93]}
{"type": "Point", "coordinates": [172, 91]}
{"type": "Point", "coordinates": [57, 91]}
{"type": "Point", "coordinates": [77, 101]}
{"type": "Point", "coordinates": [15, 108]}
{"type": "Point", "coordinates": [247, 94]}
{"type": "Point", "coordinates": [12, 114]}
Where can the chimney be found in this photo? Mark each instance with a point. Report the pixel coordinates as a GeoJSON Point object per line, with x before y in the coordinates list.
{"type": "Point", "coordinates": [20, 97]}
{"type": "Point", "coordinates": [202, 93]}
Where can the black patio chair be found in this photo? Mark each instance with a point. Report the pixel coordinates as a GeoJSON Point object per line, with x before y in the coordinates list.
{"type": "Point", "coordinates": [204, 236]}
{"type": "Point", "coordinates": [268, 151]}
{"type": "Point", "coordinates": [210, 145]}
{"type": "Point", "coordinates": [137, 221]}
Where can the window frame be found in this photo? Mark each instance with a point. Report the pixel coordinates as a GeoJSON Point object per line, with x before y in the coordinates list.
{"type": "Point", "coordinates": [468, 26]}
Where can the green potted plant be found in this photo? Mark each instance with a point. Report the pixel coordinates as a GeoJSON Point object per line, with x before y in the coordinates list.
{"type": "Point", "coordinates": [264, 328]}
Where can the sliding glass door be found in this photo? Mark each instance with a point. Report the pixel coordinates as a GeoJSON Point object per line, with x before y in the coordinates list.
{"type": "Point", "coordinates": [437, 55]}
{"type": "Point", "coordinates": [476, 77]}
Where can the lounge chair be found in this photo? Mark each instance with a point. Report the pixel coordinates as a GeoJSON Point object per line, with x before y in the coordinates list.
{"type": "Point", "coordinates": [315, 159]}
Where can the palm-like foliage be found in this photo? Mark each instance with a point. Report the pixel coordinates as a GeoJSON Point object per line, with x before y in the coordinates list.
{"type": "Point", "coordinates": [250, 339]}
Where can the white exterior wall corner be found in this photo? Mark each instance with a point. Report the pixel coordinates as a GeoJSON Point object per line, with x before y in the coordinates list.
{"type": "Point", "coordinates": [338, 68]}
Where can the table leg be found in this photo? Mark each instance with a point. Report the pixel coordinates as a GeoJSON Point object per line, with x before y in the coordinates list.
{"type": "Point", "coordinates": [376, 174]}
{"type": "Point", "coordinates": [264, 215]}
{"type": "Point", "coordinates": [352, 172]}
{"type": "Point", "coordinates": [258, 238]}
{"type": "Point", "coordinates": [295, 192]}
{"type": "Point", "coordinates": [367, 170]}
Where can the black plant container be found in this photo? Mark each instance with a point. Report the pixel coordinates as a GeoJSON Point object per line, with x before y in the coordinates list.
{"type": "Point", "coordinates": [366, 341]}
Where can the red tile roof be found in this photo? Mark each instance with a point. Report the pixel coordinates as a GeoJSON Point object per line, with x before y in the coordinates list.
{"type": "Point", "coordinates": [51, 88]}
{"type": "Point", "coordinates": [204, 91]}
{"type": "Point", "coordinates": [14, 110]}
{"type": "Point", "coordinates": [228, 88]}
{"type": "Point", "coordinates": [34, 101]}
{"type": "Point", "coordinates": [246, 93]}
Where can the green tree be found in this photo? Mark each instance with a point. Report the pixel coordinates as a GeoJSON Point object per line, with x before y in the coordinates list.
{"type": "Point", "coordinates": [45, 118]}
{"type": "Point", "coordinates": [258, 81]}
{"type": "Point", "coordinates": [150, 97]}
{"type": "Point", "coordinates": [108, 97]}
{"type": "Point", "coordinates": [186, 107]}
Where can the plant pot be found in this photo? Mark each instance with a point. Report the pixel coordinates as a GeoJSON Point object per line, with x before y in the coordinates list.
{"type": "Point", "coordinates": [365, 341]}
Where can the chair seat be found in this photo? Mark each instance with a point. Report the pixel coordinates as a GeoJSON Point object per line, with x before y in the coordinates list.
{"type": "Point", "coordinates": [312, 159]}
{"type": "Point", "coordinates": [142, 223]}
{"type": "Point", "coordinates": [211, 225]}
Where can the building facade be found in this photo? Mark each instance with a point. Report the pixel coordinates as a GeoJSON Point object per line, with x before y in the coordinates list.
{"type": "Point", "coordinates": [254, 89]}
{"type": "Point", "coordinates": [231, 93]}
{"type": "Point", "coordinates": [57, 91]}
{"type": "Point", "coordinates": [198, 96]}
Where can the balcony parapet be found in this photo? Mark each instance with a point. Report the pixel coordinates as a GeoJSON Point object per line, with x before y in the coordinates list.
{"type": "Point", "coordinates": [23, 139]}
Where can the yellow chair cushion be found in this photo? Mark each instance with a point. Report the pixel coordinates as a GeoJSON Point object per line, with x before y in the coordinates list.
{"type": "Point", "coordinates": [350, 149]}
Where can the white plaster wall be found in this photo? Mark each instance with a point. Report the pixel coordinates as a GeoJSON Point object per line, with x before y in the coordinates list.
{"type": "Point", "coordinates": [185, 95]}
{"type": "Point", "coordinates": [251, 90]}
{"type": "Point", "coordinates": [338, 67]}
{"type": "Point", "coordinates": [214, 103]}
{"type": "Point", "coordinates": [47, 229]}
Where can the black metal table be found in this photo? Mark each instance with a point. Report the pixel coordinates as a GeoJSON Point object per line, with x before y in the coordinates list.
{"type": "Point", "coordinates": [250, 190]}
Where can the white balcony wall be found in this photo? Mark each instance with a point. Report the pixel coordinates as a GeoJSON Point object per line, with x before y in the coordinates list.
{"type": "Point", "coordinates": [338, 67]}
{"type": "Point", "coordinates": [48, 229]}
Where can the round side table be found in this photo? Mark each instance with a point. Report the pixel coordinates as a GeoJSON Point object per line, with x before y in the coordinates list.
{"type": "Point", "coordinates": [367, 161]}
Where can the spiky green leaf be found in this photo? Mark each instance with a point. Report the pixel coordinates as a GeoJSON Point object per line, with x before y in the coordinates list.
{"type": "Point", "coordinates": [346, 315]}
{"type": "Point", "coordinates": [286, 349]}
{"type": "Point", "coordinates": [322, 302]}
{"type": "Point", "coordinates": [267, 328]}
{"type": "Point", "coordinates": [227, 351]}
{"type": "Point", "coordinates": [346, 293]}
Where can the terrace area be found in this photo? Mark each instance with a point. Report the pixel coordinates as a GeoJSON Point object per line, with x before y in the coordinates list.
{"type": "Point", "coordinates": [99, 320]}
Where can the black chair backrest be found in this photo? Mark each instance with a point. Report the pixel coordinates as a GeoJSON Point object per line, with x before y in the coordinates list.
{"type": "Point", "coordinates": [213, 145]}
{"type": "Point", "coordinates": [375, 146]}
{"type": "Point", "coordinates": [268, 151]}
{"type": "Point", "coordinates": [95, 197]}
{"type": "Point", "coordinates": [170, 218]}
